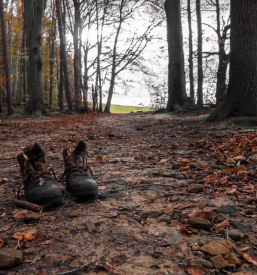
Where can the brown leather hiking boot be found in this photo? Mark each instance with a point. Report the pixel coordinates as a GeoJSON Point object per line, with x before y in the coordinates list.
{"type": "Point", "coordinates": [78, 175]}
{"type": "Point", "coordinates": [39, 185]}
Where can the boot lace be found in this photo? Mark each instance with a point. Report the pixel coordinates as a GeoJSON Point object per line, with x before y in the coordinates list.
{"type": "Point", "coordinates": [38, 177]}
{"type": "Point", "coordinates": [78, 169]}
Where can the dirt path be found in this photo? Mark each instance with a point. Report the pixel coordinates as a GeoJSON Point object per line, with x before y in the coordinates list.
{"type": "Point", "coordinates": [172, 181]}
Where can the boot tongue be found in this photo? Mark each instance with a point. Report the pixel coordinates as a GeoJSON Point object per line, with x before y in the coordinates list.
{"type": "Point", "coordinates": [74, 159]}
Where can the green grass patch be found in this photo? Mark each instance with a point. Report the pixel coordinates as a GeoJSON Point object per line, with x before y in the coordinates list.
{"type": "Point", "coordinates": [127, 109]}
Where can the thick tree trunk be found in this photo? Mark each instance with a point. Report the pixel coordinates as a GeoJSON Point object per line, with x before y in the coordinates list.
{"type": "Point", "coordinates": [6, 61]}
{"type": "Point", "coordinates": [176, 89]}
{"type": "Point", "coordinates": [190, 58]}
{"type": "Point", "coordinates": [64, 58]}
{"type": "Point", "coordinates": [242, 90]}
{"type": "Point", "coordinates": [35, 76]}
{"type": "Point", "coordinates": [199, 53]}
{"type": "Point", "coordinates": [77, 54]}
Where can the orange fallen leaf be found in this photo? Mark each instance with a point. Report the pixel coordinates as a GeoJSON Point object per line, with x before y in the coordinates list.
{"type": "Point", "coordinates": [19, 214]}
{"type": "Point", "coordinates": [30, 235]}
{"type": "Point", "coordinates": [18, 236]}
{"type": "Point", "coordinates": [1, 243]}
{"type": "Point", "coordinates": [196, 271]}
{"type": "Point", "coordinates": [47, 242]}
{"type": "Point", "coordinates": [194, 213]}
{"type": "Point", "coordinates": [188, 229]}
{"type": "Point", "coordinates": [221, 225]}
{"type": "Point", "coordinates": [249, 258]}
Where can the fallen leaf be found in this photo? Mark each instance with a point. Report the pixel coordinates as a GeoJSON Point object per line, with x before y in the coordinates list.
{"type": "Point", "coordinates": [196, 212]}
{"type": "Point", "coordinates": [249, 258]}
{"type": "Point", "coordinates": [188, 229]}
{"type": "Point", "coordinates": [19, 214]}
{"type": "Point", "coordinates": [1, 243]}
{"type": "Point", "coordinates": [47, 242]}
{"type": "Point", "coordinates": [30, 235]}
{"type": "Point", "coordinates": [18, 236]}
{"type": "Point", "coordinates": [196, 271]}
{"type": "Point", "coordinates": [221, 225]}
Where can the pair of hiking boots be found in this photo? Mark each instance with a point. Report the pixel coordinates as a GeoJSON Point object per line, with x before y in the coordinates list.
{"type": "Point", "coordinates": [40, 186]}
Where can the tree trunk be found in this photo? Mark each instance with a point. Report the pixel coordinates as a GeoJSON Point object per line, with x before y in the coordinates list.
{"type": "Point", "coordinates": [51, 55]}
{"type": "Point", "coordinates": [242, 90]}
{"type": "Point", "coordinates": [107, 108]}
{"type": "Point", "coordinates": [64, 58]}
{"type": "Point", "coordinates": [6, 61]}
{"type": "Point", "coordinates": [77, 54]}
{"type": "Point", "coordinates": [176, 77]}
{"type": "Point", "coordinates": [199, 53]}
{"type": "Point", "coordinates": [35, 76]}
{"type": "Point", "coordinates": [223, 59]}
{"type": "Point", "coordinates": [190, 58]}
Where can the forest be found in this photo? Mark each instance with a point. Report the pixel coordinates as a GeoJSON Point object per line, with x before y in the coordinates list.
{"type": "Point", "coordinates": [168, 189]}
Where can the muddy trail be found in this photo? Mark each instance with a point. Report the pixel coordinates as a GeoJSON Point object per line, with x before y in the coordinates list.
{"type": "Point", "coordinates": [176, 196]}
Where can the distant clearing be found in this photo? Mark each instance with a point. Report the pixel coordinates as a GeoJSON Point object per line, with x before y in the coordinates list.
{"type": "Point", "coordinates": [127, 109]}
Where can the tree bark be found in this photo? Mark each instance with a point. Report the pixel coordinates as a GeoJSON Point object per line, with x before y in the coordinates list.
{"type": "Point", "coordinates": [107, 108]}
{"type": "Point", "coordinates": [6, 61]}
{"type": "Point", "coordinates": [241, 97]}
{"type": "Point", "coordinates": [35, 77]}
{"type": "Point", "coordinates": [64, 58]}
{"type": "Point", "coordinates": [77, 59]}
{"type": "Point", "coordinates": [199, 53]}
{"type": "Point", "coordinates": [176, 77]}
{"type": "Point", "coordinates": [190, 58]}
{"type": "Point", "coordinates": [223, 59]}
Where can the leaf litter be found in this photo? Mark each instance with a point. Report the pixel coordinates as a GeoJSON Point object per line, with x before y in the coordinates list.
{"type": "Point", "coordinates": [140, 222]}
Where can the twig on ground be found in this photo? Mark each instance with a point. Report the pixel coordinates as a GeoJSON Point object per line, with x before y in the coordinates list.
{"type": "Point", "coordinates": [227, 236]}
{"type": "Point", "coordinates": [85, 265]}
{"type": "Point", "coordinates": [27, 205]}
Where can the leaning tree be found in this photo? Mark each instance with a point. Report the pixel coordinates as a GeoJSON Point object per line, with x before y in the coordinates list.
{"type": "Point", "coordinates": [241, 97]}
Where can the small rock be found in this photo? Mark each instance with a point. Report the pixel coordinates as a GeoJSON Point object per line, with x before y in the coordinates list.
{"type": "Point", "coordinates": [164, 218]}
{"type": "Point", "coordinates": [74, 264]}
{"type": "Point", "coordinates": [254, 158]}
{"type": "Point", "coordinates": [219, 262]}
{"type": "Point", "coordinates": [168, 175]}
{"type": "Point", "coordinates": [174, 238]}
{"type": "Point", "coordinates": [175, 165]}
{"type": "Point", "coordinates": [199, 223]}
{"type": "Point", "coordinates": [235, 235]}
{"type": "Point", "coordinates": [137, 237]}
{"type": "Point", "coordinates": [216, 167]}
{"type": "Point", "coordinates": [128, 207]}
{"type": "Point", "coordinates": [233, 259]}
{"type": "Point", "coordinates": [180, 177]}
{"type": "Point", "coordinates": [90, 226]}
{"type": "Point", "coordinates": [168, 210]}
{"type": "Point", "coordinates": [31, 217]}
{"type": "Point", "coordinates": [197, 164]}
{"type": "Point", "coordinates": [202, 262]}
{"type": "Point", "coordinates": [195, 188]}
{"type": "Point", "coordinates": [249, 211]}
{"type": "Point", "coordinates": [252, 240]}
{"type": "Point", "coordinates": [15, 116]}
{"type": "Point", "coordinates": [248, 200]}
{"type": "Point", "coordinates": [231, 163]}
{"type": "Point", "coordinates": [150, 214]}
{"type": "Point", "coordinates": [251, 172]}
{"type": "Point", "coordinates": [243, 227]}
{"type": "Point", "coordinates": [32, 250]}
{"type": "Point", "coordinates": [10, 257]}
{"type": "Point", "coordinates": [229, 209]}
{"type": "Point", "coordinates": [216, 248]}
{"type": "Point", "coordinates": [239, 158]}
{"type": "Point", "coordinates": [221, 218]}
{"type": "Point", "coordinates": [50, 259]}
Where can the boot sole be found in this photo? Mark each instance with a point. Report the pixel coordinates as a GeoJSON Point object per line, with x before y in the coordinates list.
{"type": "Point", "coordinates": [84, 193]}
{"type": "Point", "coordinates": [46, 200]}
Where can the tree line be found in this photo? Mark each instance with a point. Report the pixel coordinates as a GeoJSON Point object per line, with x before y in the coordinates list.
{"type": "Point", "coordinates": [66, 52]}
